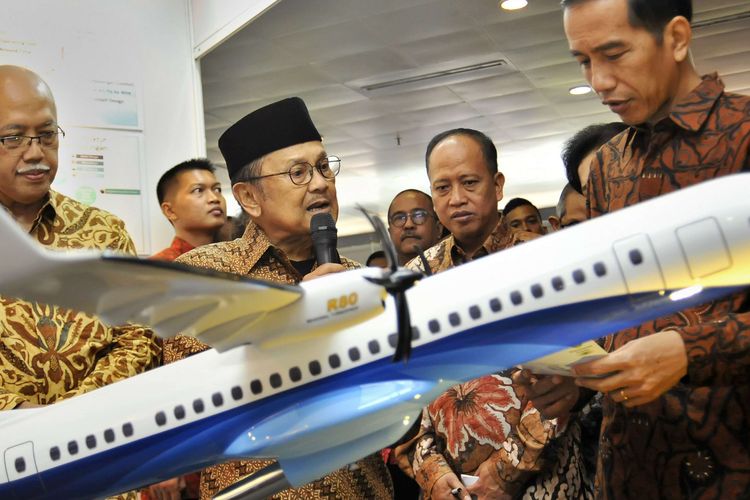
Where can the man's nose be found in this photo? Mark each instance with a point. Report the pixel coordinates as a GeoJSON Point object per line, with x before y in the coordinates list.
{"type": "Point", "coordinates": [317, 182]}
{"type": "Point", "coordinates": [215, 197]}
{"type": "Point", "coordinates": [601, 80]}
{"type": "Point", "coordinates": [34, 153]}
{"type": "Point", "coordinates": [456, 197]}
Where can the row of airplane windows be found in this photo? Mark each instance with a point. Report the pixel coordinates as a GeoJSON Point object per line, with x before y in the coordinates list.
{"type": "Point", "coordinates": [334, 360]}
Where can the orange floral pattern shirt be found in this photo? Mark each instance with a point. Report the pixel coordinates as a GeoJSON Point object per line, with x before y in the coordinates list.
{"type": "Point", "coordinates": [488, 419]}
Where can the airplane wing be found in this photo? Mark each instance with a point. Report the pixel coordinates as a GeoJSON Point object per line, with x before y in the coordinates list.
{"type": "Point", "coordinates": [172, 298]}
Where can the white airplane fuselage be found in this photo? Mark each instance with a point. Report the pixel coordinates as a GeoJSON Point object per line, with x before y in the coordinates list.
{"type": "Point", "coordinates": [319, 403]}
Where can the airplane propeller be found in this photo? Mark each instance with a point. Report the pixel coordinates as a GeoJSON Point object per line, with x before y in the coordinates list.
{"type": "Point", "coordinates": [395, 281]}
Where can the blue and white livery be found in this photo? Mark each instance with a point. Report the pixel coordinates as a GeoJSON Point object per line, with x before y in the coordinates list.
{"type": "Point", "coordinates": [304, 373]}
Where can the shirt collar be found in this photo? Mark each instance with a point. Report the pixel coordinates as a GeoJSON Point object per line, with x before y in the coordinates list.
{"type": "Point", "coordinates": [692, 111]}
{"type": "Point", "coordinates": [180, 245]}
{"type": "Point", "coordinates": [257, 244]}
{"type": "Point", "coordinates": [499, 238]}
{"type": "Point", "coordinates": [48, 211]}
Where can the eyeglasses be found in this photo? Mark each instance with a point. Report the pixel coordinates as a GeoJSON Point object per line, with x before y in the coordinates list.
{"type": "Point", "coordinates": [418, 216]}
{"type": "Point", "coordinates": [20, 143]}
{"type": "Point", "coordinates": [302, 173]}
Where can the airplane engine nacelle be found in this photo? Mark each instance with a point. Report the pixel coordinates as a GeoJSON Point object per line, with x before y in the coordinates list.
{"type": "Point", "coordinates": [330, 304]}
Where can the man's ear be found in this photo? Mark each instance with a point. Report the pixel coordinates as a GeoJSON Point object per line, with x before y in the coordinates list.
{"type": "Point", "coordinates": [678, 34]}
{"type": "Point", "coordinates": [554, 222]}
{"type": "Point", "coordinates": [499, 184]}
{"type": "Point", "coordinates": [166, 209]}
{"type": "Point", "coordinates": [248, 196]}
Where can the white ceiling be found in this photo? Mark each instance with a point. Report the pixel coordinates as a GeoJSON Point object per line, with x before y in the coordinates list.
{"type": "Point", "coordinates": [325, 50]}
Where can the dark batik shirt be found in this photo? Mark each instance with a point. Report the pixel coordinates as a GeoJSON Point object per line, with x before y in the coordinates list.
{"type": "Point", "coordinates": [254, 256]}
{"type": "Point", "coordinates": [694, 441]}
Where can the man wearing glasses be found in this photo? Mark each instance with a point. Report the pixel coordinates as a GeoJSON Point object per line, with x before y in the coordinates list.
{"type": "Point", "coordinates": [51, 353]}
{"type": "Point", "coordinates": [412, 224]}
{"type": "Point", "coordinates": [281, 176]}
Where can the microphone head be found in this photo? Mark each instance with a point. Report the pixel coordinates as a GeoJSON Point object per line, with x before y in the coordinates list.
{"type": "Point", "coordinates": [322, 223]}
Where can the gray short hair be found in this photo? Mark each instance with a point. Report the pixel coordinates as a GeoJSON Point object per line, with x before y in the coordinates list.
{"type": "Point", "coordinates": [246, 173]}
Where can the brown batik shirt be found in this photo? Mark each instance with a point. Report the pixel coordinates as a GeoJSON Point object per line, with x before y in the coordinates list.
{"type": "Point", "coordinates": [48, 353]}
{"type": "Point", "coordinates": [694, 441]}
{"type": "Point", "coordinates": [255, 257]}
{"type": "Point", "coordinates": [490, 419]}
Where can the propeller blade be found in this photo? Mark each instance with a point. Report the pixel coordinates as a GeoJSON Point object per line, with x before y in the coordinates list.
{"type": "Point", "coordinates": [385, 239]}
{"type": "Point", "coordinates": [403, 347]}
{"type": "Point", "coordinates": [423, 260]}
{"type": "Point", "coordinates": [395, 281]}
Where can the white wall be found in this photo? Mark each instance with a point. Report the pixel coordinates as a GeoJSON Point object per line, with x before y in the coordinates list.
{"type": "Point", "coordinates": [215, 21]}
{"type": "Point", "coordinates": [146, 42]}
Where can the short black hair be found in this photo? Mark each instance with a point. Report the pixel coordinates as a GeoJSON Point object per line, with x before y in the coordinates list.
{"type": "Point", "coordinates": [378, 254]}
{"type": "Point", "coordinates": [519, 202]}
{"type": "Point", "coordinates": [167, 180]}
{"type": "Point", "coordinates": [652, 15]}
{"type": "Point", "coordinates": [489, 151]}
{"type": "Point", "coordinates": [584, 142]}
{"type": "Point", "coordinates": [415, 191]}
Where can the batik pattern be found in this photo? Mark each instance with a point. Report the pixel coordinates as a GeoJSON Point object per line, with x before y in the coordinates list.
{"type": "Point", "coordinates": [49, 353]}
{"type": "Point", "coordinates": [694, 441]}
{"type": "Point", "coordinates": [489, 419]}
{"type": "Point", "coordinates": [253, 256]}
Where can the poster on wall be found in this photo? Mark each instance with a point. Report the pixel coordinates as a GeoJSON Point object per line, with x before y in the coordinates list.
{"type": "Point", "coordinates": [107, 104]}
{"type": "Point", "coordinates": [105, 168]}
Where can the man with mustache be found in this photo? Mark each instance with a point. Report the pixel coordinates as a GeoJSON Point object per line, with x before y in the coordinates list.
{"type": "Point", "coordinates": [281, 176]}
{"type": "Point", "coordinates": [676, 390]}
{"type": "Point", "coordinates": [48, 353]}
{"type": "Point", "coordinates": [412, 222]}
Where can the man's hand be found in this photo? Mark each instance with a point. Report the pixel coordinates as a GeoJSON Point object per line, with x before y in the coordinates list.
{"type": "Point", "coordinates": [442, 488]}
{"type": "Point", "coordinates": [487, 487]}
{"type": "Point", "coordinates": [324, 269]}
{"type": "Point", "coordinates": [524, 236]}
{"type": "Point", "coordinates": [638, 372]}
{"type": "Point", "coordinates": [166, 490]}
{"type": "Point", "coordinates": [554, 396]}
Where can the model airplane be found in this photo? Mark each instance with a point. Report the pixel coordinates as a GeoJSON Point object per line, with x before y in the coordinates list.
{"type": "Point", "coordinates": [304, 373]}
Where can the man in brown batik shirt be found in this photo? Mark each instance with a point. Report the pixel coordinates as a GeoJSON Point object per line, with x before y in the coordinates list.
{"type": "Point", "coordinates": [677, 405]}
{"type": "Point", "coordinates": [47, 353]}
{"type": "Point", "coordinates": [281, 176]}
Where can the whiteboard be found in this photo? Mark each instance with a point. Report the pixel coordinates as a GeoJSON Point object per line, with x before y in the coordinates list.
{"type": "Point", "coordinates": [105, 168]}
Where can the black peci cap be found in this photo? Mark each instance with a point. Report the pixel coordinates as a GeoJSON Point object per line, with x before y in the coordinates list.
{"type": "Point", "coordinates": [265, 130]}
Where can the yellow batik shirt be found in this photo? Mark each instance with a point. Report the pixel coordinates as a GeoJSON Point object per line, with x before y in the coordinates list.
{"type": "Point", "coordinates": [48, 353]}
